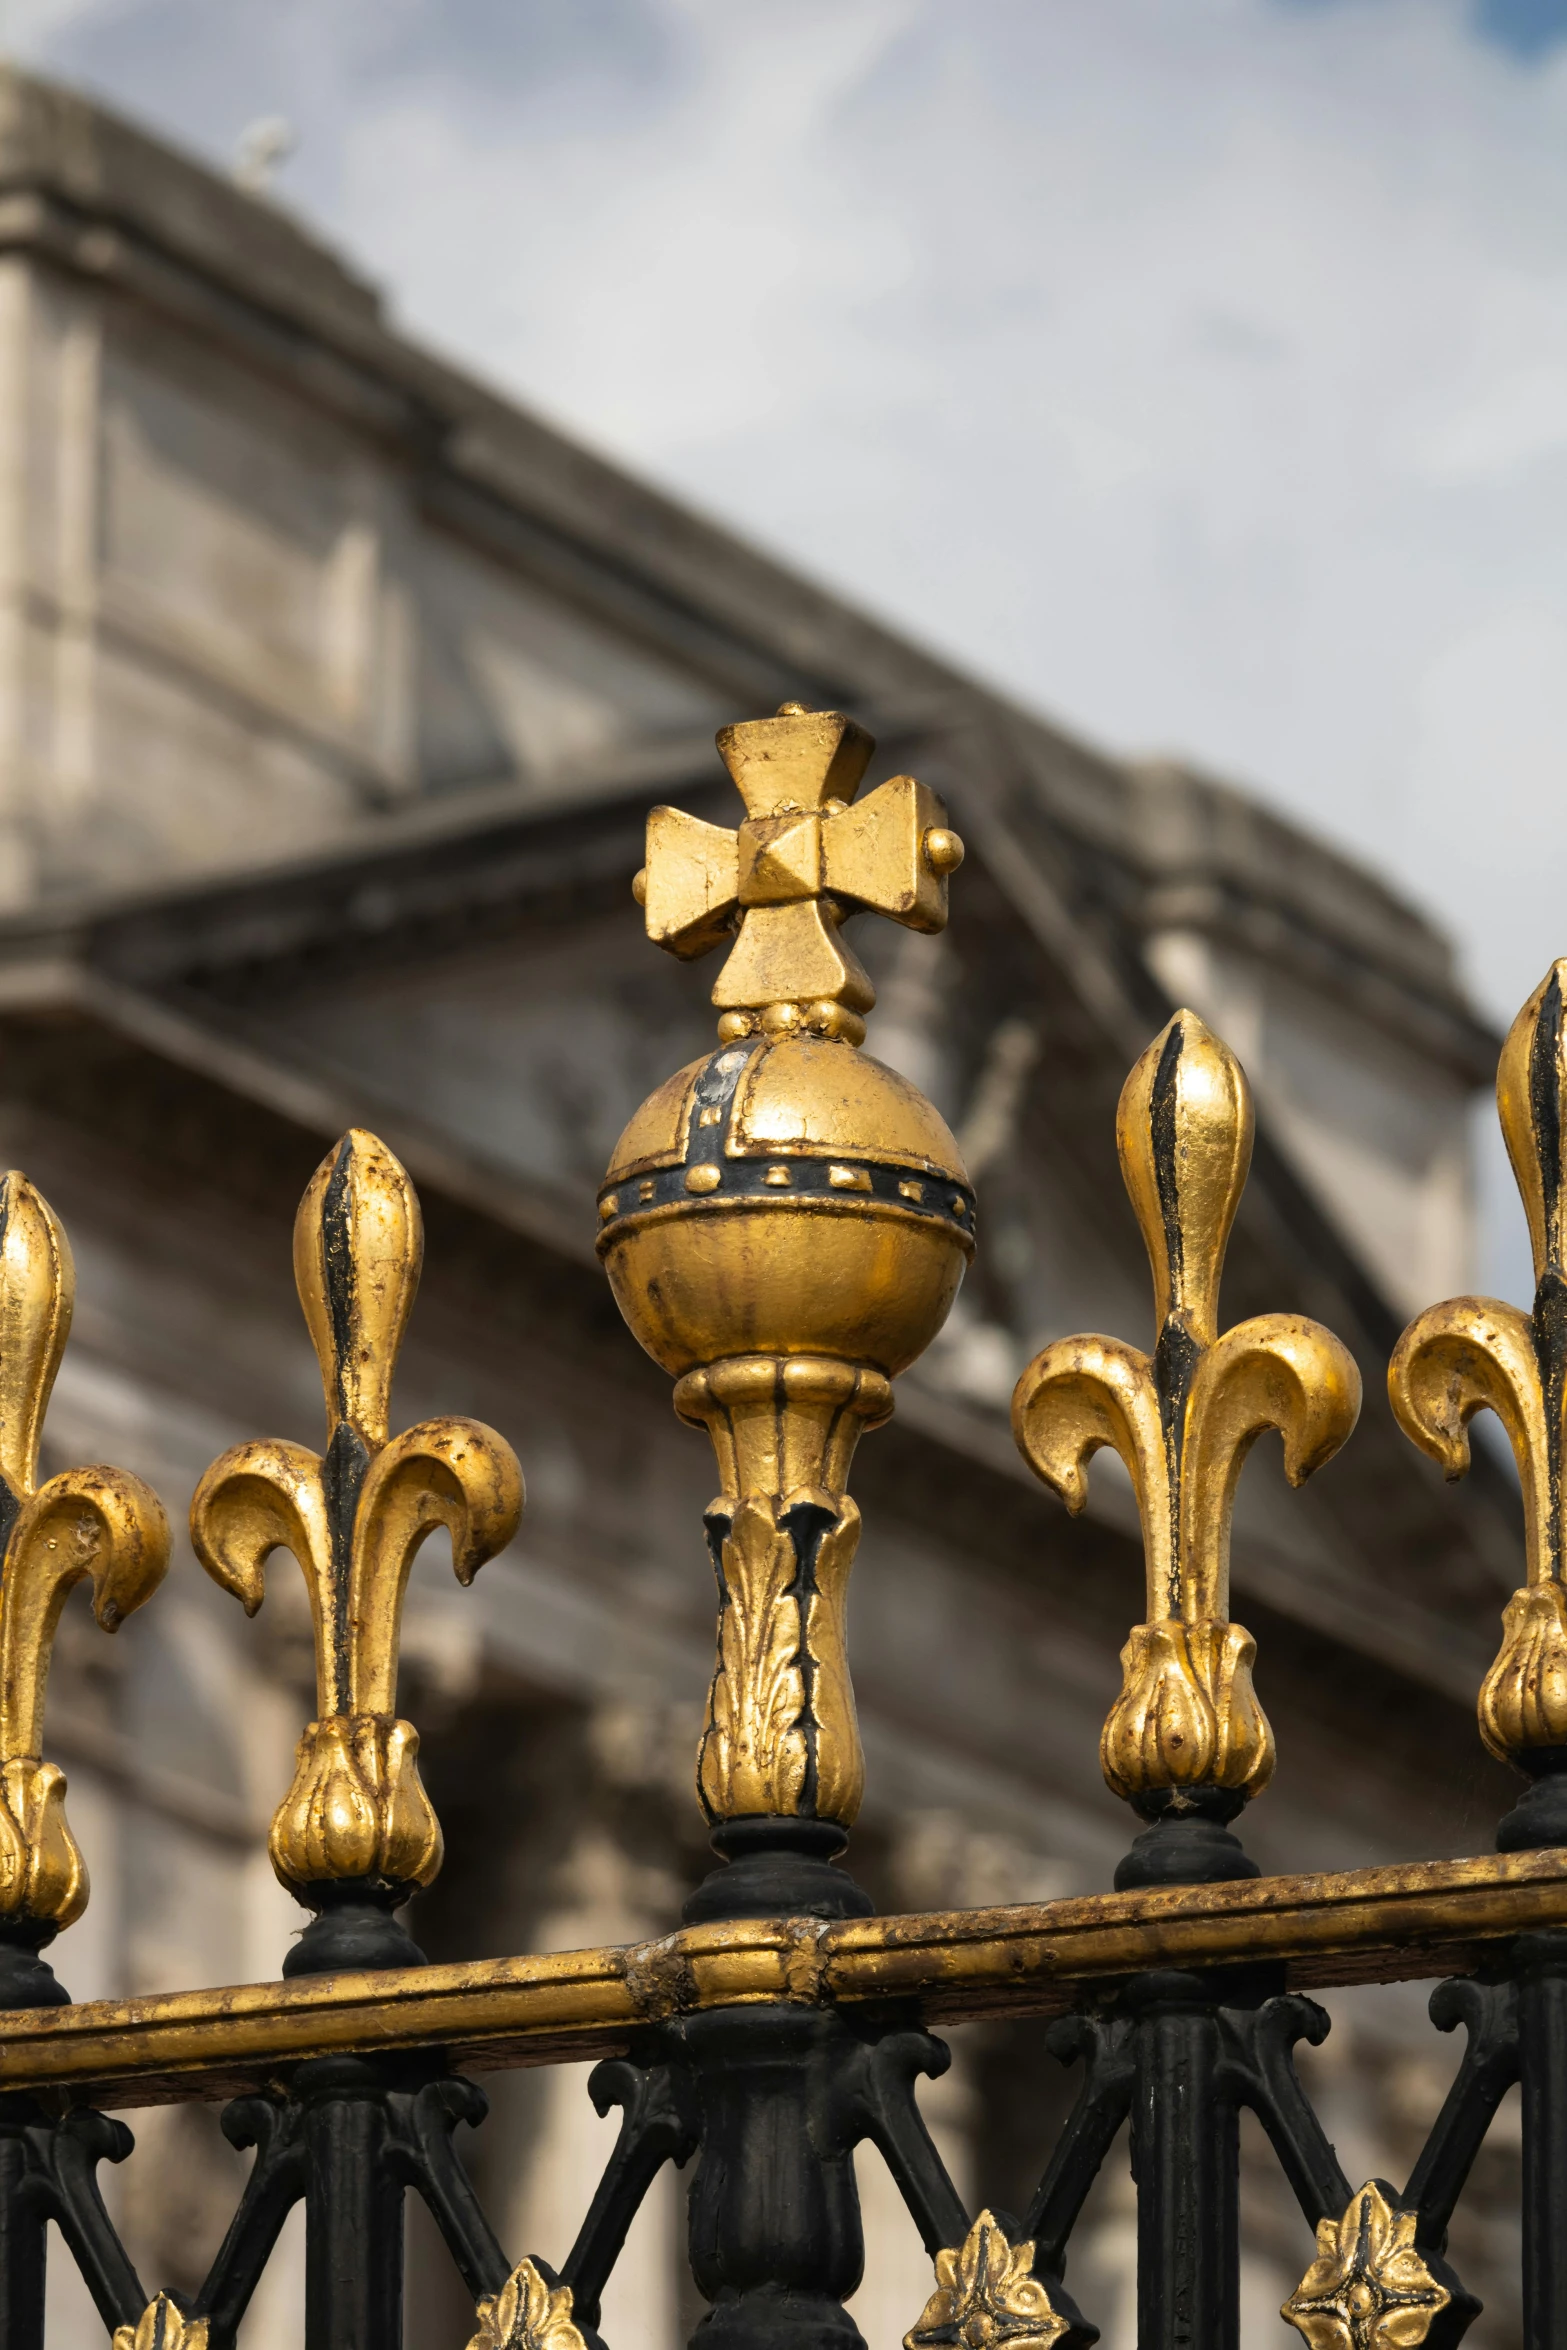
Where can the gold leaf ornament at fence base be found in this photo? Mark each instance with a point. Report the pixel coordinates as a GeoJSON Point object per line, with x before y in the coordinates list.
{"type": "Point", "coordinates": [1183, 1419]}
{"type": "Point", "coordinates": [987, 2293]}
{"type": "Point", "coordinates": [1369, 2287]}
{"type": "Point", "coordinates": [101, 1525]}
{"type": "Point", "coordinates": [162, 2325]}
{"type": "Point", "coordinates": [528, 2313]}
{"type": "Point", "coordinates": [354, 1517]}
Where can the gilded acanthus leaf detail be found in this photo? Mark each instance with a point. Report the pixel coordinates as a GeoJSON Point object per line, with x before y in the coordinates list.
{"type": "Point", "coordinates": [162, 2326]}
{"type": "Point", "coordinates": [781, 1738]}
{"type": "Point", "coordinates": [987, 2294]}
{"type": "Point", "coordinates": [354, 1518]}
{"type": "Point", "coordinates": [1369, 2287]}
{"type": "Point", "coordinates": [101, 1525]}
{"type": "Point", "coordinates": [1183, 1420]}
{"type": "Point", "coordinates": [754, 1751]}
{"type": "Point", "coordinates": [1473, 1354]}
{"type": "Point", "coordinates": [528, 2313]}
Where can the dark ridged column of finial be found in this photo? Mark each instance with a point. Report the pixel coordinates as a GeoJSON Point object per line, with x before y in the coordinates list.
{"type": "Point", "coordinates": [1542, 2051]}
{"type": "Point", "coordinates": [1185, 2158]}
{"type": "Point", "coordinates": [23, 2235]}
{"type": "Point", "coordinates": [353, 2209]}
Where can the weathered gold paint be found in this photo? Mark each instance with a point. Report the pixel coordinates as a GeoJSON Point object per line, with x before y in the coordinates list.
{"type": "Point", "coordinates": [1187, 1715]}
{"type": "Point", "coordinates": [1473, 1354]}
{"type": "Point", "coordinates": [163, 2325]}
{"type": "Point", "coordinates": [528, 2313]}
{"type": "Point", "coordinates": [1369, 2287]}
{"type": "Point", "coordinates": [101, 1524]}
{"type": "Point", "coordinates": [987, 2297]}
{"type": "Point", "coordinates": [785, 1315]}
{"type": "Point", "coordinates": [1362, 1926]}
{"type": "Point", "coordinates": [357, 1806]}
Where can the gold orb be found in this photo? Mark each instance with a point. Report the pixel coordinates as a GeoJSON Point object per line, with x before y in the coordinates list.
{"type": "Point", "coordinates": [786, 1196]}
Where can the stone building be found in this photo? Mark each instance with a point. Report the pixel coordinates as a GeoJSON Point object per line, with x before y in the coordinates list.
{"type": "Point", "coordinates": [333, 692]}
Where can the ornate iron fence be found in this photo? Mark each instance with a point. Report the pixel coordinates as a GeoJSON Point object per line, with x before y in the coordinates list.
{"type": "Point", "coordinates": [785, 1225]}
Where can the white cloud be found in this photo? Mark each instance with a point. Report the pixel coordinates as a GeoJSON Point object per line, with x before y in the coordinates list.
{"type": "Point", "coordinates": [1196, 367]}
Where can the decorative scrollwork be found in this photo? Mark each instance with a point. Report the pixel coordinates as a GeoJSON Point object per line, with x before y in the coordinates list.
{"type": "Point", "coordinates": [987, 2294]}
{"type": "Point", "coordinates": [163, 2325]}
{"type": "Point", "coordinates": [101, 1524]}
{"type": "Point", "coordinates": [1183, 1420]}
{"type": "Point", "coordinates": [354, 1517]}
{"type": "Point", "coordinates": [1473, 1354]}
{"type": "Point", "coordinates": [1369, 2287]}
{"type": "Point", "coordinates": [528, 2313]}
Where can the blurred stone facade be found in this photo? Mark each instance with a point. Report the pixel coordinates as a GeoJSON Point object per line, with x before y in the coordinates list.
{"type": "Point", "coordinates": [333, 691]}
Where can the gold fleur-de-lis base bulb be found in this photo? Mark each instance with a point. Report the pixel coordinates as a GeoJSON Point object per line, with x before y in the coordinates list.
{"type": "Point", "coordinates": [357, 1816]}
{"type": "Point", "coordinates": [785, 1224]}
{"type": "Point", "coordinates": [1187, 1743]}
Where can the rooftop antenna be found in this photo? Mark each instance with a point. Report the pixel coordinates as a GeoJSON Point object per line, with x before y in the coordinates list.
{"type": "Point", "coordinates": [263, 147]}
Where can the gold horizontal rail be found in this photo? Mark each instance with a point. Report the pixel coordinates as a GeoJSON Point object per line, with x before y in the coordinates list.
{"type": "Point", "coordinates": [1365, 1926]}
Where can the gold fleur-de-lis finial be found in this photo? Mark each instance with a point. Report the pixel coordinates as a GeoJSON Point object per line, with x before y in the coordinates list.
{"type": "Point", "coordinates": [1370, 2286]}
{"type": "Point", "coordinates": [98, 1523]}
{"type": "Point", "coordinates": [354, 1517]}
{"type": "Point", "coordinates": [802, 860]}
{"type": "Point", "coordinates": [1187, 1736]}
{"type": "Point", "coordinates": [987, 2297]}
{"type": "Point", "coordinates": [1474, 1354]}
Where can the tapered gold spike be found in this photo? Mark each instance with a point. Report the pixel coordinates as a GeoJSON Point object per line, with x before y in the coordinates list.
{"type": "Point", "coordinates": [98, 1523]}
{"type": "Point", "coordinates": [1187, 1736]}
{"type": "Point", "coordinates": [1473, 1354]}
{"type": "Point", "coordinates": [354, 1517]}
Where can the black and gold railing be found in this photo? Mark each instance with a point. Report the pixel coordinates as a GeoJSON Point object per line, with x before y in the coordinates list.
{"type": "Point", "coordinates": [785, 1225]}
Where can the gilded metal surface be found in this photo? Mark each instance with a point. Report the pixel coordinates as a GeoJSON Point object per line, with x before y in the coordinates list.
{"type": "Point", "coordinates": [1183, 1419]}
{"type": "Point", "coordinates": [1368, 2288]}
{"type": "Point", "coordinates": [1473, 1354]}
{"type": "Point", "coordinates": [1363, 1926]}
{"type": "Point", "coordinates": [803, 859]}
{"type": "Point", "coordinates": [781, 1702]}
{"type": "Point", "coordinates": [163, 2326]}
{"type": "Point", "coordinates": [354, 1519]}
{"type": "Point", "coordinates": [528, 2313]}
{"type": "Point", "coordinates": [97, 1523]}
{"type": "Point", "coordinates": [785, 1224]}
{"type": "Point", "coordinates": [987, 2293]}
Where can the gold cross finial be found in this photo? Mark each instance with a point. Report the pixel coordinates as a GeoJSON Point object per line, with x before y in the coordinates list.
{"type": "Point", "coordinates": [802, 861]}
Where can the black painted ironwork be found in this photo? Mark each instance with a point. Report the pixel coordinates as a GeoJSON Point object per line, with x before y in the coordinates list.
{"type": "Point", "coordinates": [766, 2104]}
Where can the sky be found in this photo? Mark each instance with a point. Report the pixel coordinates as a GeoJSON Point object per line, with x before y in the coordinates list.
{"type": "Point", "coordinates": [1194, 369]}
